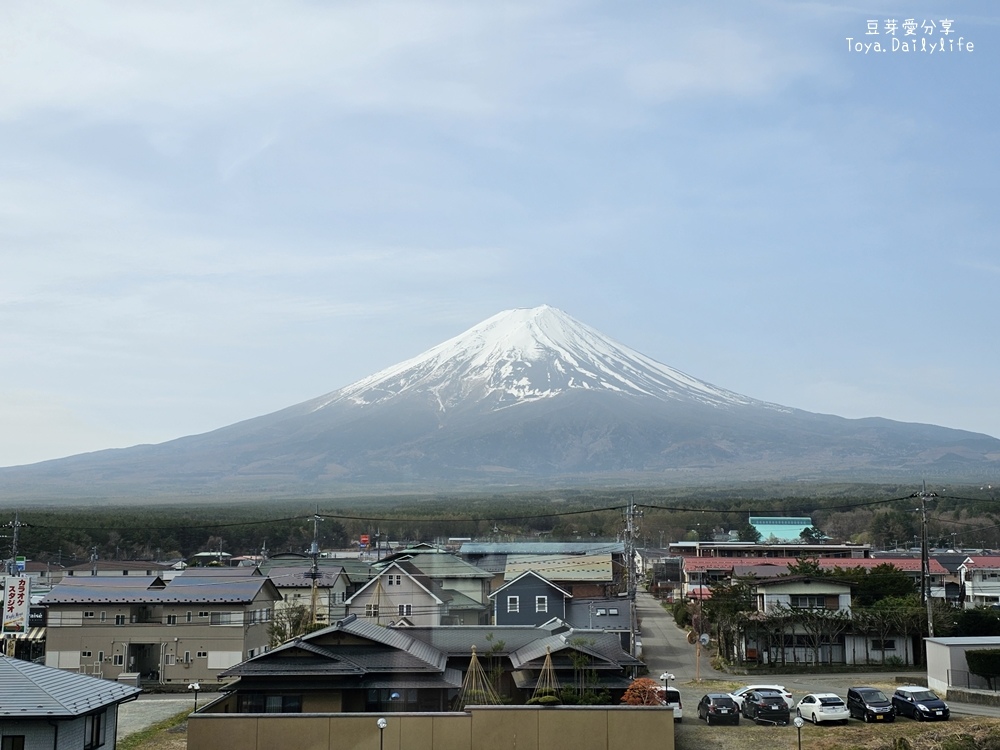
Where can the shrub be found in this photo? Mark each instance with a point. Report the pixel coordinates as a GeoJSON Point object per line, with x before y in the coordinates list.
{"type": "Point", "coordinates": [681, 614]}
{"type": "Point", "coordinates": [984, 662]}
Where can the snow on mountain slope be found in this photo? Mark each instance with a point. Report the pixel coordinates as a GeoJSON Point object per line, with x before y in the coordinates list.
{"type": "Point", "coordinates": [525, 355]}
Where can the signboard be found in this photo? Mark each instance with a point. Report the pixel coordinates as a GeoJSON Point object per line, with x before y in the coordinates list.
{"type": "Point", "coordinates": [364, 540]}
{"type": "Point", "coordinates": [15, 605]}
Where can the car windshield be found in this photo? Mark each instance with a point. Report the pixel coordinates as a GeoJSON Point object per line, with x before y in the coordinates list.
{"type": "Point", "coordinates": [873, 695]}
{"type": "Point", "coordinates": [924, 695]}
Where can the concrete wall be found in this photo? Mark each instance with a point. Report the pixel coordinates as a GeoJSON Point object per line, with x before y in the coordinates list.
{"type": "Point", "coordinates": [481, 728]}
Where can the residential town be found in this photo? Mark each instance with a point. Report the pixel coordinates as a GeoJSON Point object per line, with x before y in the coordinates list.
{"type": "Point", "coordinates": [458, 626]}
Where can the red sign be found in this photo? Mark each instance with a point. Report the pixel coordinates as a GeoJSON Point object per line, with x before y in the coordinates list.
{"type": "Point", "coordinates": [364, 540]}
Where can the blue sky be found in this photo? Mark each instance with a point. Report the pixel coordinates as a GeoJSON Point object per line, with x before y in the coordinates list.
{"type": "Point", "coordinates": [210, 211]}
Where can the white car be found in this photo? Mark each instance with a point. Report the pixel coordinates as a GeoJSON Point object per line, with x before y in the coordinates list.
{"type": "Point", "coordinates": [671, 698]}
{"type": "Point", "coordinates": [739, 694]}
{"type": "Point", "coordinates": [818, 707]}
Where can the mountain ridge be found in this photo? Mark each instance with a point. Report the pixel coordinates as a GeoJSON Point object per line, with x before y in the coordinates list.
{"type": "Point", "coordinates": [529, 397]}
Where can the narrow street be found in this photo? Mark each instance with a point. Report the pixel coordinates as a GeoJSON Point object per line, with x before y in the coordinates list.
{"type": "Point", "coordinates": [665, 647]}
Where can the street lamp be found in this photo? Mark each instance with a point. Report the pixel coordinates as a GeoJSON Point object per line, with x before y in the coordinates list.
{"type": "Point", "coordinates": [382, 724]}
{"type": "Point", "coordinates": [798, 722]}
{"type": "Point", "coordinates": [196, 687]}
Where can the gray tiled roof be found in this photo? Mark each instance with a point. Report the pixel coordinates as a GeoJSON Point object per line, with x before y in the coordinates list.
{"type": "Point", "coordinates": [370, 649]}
{"type": "Point", "coordinates": [542, 548]}
{"type": "Point", "coordinates": [299, 577]}
{"type": "Point", "coordinates": [583, 614]}
{"type": "Point", "coordinates": [199, 590]}
{"type": "Point", "coordinates": [439, 565]}
{"type": "Point", "coordinates": [32, 690]}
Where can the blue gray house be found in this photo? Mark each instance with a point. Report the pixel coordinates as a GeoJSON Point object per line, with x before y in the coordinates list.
{"type": "Point", "coordinates": [529, 599]}
{"type": "Point", "coordinates": [51, 709]}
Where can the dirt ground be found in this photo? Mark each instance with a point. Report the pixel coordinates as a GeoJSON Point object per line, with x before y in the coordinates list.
{"type": "Point", "coordinates": [692, 734]}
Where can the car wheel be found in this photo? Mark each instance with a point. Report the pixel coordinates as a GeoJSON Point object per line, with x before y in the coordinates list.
{"type": "Point", "coordinates": [815, 723]}
{"type": "Point", "coordinates": [798, 712]}
{"type": "Point", "coordinates": [918, 716]}
{"type": "Point", "coordinates": [868, 718]}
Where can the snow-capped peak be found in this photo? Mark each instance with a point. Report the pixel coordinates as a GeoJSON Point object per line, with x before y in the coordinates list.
{"type": "Point", "coordinates": [528, 354]}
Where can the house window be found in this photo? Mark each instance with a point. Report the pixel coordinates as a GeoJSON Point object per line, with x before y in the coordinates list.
{"type": "Point", "coordinates": [118, 660]}
{"type": "Point", "coordinates": [187, 617]}
{"type": "Point", "coordinates": [171, 619]}
{"type": "Point", "coordinates": [513, 604]}
{"type": "Point", "coordinates": [86, 654]}
{"type": "Point", "coordinates": [93, 731]}
{"type": "Point", "coordinates": [807, 601]}
{"type": "Point", "coordinates": [169, 660]}
{"type": "Point", "coordinates": [203, 614]}
{"type": "Point", "coordinates": [613, 611]}
{"type": "Point", "coordinates": [100, 656]}
{"type": "Point", "coordinates": [12, 742]}
{"type": "Point", "coordinates": [88, 614]}
{"type": "Point", "coordinates": [601, 611]}
{"type": "Point", "coordinates": [883, 645]}
{"type": "Point", "coordinates": [405, 610]}
{"type": "Point", "coordinates": [394, 580]}
{"type": "Point", "coordinates": [124, 572]}
{"type": "Point", "coordinates": [187, 657]}
{"type": "Point", "coordinates": [541, 604]}
{"type": "Point", "coordinates": [119, 619]}
{"type": "Point", "coordinates": [223, 618]}
{"type": "Point", "coordinates": [259, 703]}
{"type": "Point", "coordinates": [202, 654]}
{"type": "Point", "coordinates": [104, 616]}
{"type": "Point", "coordinates": [371, 610]}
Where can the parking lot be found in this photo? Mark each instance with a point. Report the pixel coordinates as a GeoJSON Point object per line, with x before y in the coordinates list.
{"type": "Point", "coordinates": [666, 650]}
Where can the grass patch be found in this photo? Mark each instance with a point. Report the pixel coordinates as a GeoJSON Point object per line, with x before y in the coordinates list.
{"type": "Point", "coordinates": [151, 738]}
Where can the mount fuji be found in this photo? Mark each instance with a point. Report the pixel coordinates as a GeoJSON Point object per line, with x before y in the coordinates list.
{"type": "Point", "coordinates": [529, 398]}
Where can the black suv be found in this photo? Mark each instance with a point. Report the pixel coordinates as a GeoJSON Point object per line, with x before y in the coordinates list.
{"type": "Point", "coordinates": [766, 706]}
{"type": "Point", "coordinates": [869, 704]}
{"type": "Point", "coordinates": [718, 708]}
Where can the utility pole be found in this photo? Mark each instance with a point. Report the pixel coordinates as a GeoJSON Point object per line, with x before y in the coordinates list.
{"type": "Point", "coordinates": [314, 571]}
{"type": "Point", "coordinates": [925, 560]}
{"type": "Point", "coordinates": [631, 531]}
{"type": "Point", "coordinates": [16, 525]}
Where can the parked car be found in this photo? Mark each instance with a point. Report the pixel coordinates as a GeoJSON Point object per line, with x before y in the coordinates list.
{"type": "Point", "coordinates": [718, 708]}
{"type": "Point", "coordinates": [740, 693]}
{"type": "Point", "coordinates": [671, 698]}
{"type": "Point", "coordinates": [766, 706]}
{"type": "Point", "coordinates": [919, 703]}
{"type": "Point", "coordinates": [819, 707]}
{"type": "Point", "coordinates": [869, 704]}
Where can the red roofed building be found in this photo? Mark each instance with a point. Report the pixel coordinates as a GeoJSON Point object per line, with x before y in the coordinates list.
{"type": "Point", "coordinates": [980, 577]}
{"type": "Point", "coordinates": [707, 571]}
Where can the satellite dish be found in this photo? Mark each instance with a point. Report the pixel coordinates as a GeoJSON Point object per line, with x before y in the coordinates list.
{"type": "Point", "coordinates": [703, 639]}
